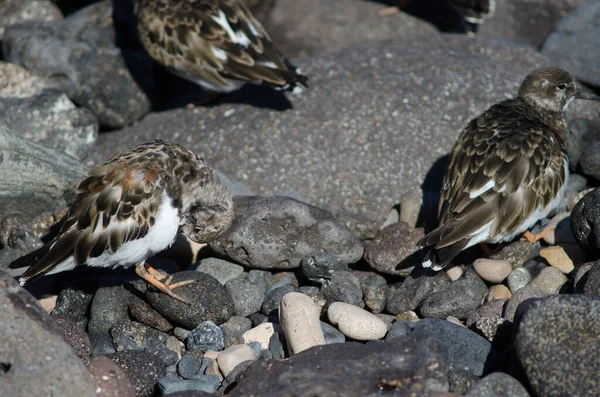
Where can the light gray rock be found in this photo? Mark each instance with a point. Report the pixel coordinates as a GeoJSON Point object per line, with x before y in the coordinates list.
{"type": "Point", "coordinates": [498, 384]}
{"type": "Point", "coordinates": [36, 359]}
{"type": "Point", "coordinates": [277, 232]}
{"type": "Point", "coordinates": [386, 140]}
{"type": "Point", "coordinates": [15, 11]}
{"type": "Point", "coordinates": [220, 269]}
{"type": "Point", "coordinates": [34, 178]}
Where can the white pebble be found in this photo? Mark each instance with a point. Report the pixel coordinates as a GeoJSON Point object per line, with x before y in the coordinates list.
{"type": "Point", "coordinates": [492, 270]}
{"type": "Point", "coordinates": [356, 323]}
{"type": "Point", "coordinates": [299, 318]}
{"type": "Point", "coordinates": [261, 334]}
{"type": "Point", "coordinates": [229, 358]}
{"type": "Point", "coordinates": [454, 273]}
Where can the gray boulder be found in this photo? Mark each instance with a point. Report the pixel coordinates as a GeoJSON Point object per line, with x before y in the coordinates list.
{"type": "Point", "coordinates": [15, 11]}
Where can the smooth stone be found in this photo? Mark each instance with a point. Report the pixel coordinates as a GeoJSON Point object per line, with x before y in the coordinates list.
{"type": "Point", "coordinates": [344, 287]}
{"type": "Point", "coordinates": [206, 336]}
{"type": "Point", "coordinates": [187, 366]}
{"type": "Point", "coordinates": [278, 346]}
{"type": "Point", "coordinates": [515, 253]}
{"type": "Point", "coordinates": [375, 292]}
{"type": "Point", "coordinates": [408, 315]}
{"type": "Point", "coordinates": [410, 207]}
{"type": "Point", "coordinates": [549, 281]}
{"type": "Point", "coordinates": [196, 387]}
{"type": "Point", "coordinates": [399, 329]}
{"type": "Point", "coordinates": [518, 279]}
{"type": "Point", "coordinates": [220, 269]}
{"type": "Point", "coordinates": [394, 249]}
{"type": "Point", "coordinates": [460, 347]}
{"type": "Point", "coordinates": [498, 384]}
{"type": "Point", "coordinates": [108, 308]}
{"type": "Point", "coordinates": [494, 271]}
{"type": "Point", "coordinates": [277, 232]}
{"type": "Point", "coordinates": [273, 299]}
{"type": "Point", "coordinates": [109, 378]}
{"type": "Point", "coordinates": [559, 335]}
{"type": "Point", "coordinates": [72, 304]}
{"type": "Point", "coordinates": [558, 257]}
{"type": "Point", "coordinates": [256, 348]}
{"type": "Point", "coordinates": [319, 266]}
{"type": "Point", "coordinates": [101, 344]}
{"type": "Point", "coordinates": [145, 314]}
{"type": "Point", "coordinates": [356, 323]}
{"type": "Point", "coordinates": [520, 296]}
{"type": "Point", "coordinates": [247, 296]}
{"type": "Point", "coordinates": [585, 222]}
{"type": "Point", "coordinates": [454, 273]}
{"type": "Point", "coordinates": [280, 279]}
{"type": "Point", "coordinates": [261, 334]}
{"type": "Point", "coordinates": [415, 289]}
{"type": "Point", "coordinates": [233, 330]}
{"type": "Point", "coordinates": [299, 319]}
{"type": "Point", "coordinates": [331, 334]}
{"type": "Point", "coordinates": [181, 333]}
{"type": "Point", "coordinates": [498, 291]}
{"type": "Point", "coordinates": [234, 355]}
{"type": "Point", "coordinates": [209, 301]}
{"type": "Point", "coordinates": [131, 335]}
{"type": "Point", "coordinates": [142, 369]}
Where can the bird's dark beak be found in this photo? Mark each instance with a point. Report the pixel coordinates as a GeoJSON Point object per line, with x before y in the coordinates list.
{"type": "Point", "coordinates": [586, 95]}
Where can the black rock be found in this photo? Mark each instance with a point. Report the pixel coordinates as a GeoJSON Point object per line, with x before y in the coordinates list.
{"type": "Point", "coordinates": [415, 288]}
{"type": "Point", "coordinates": [409, 366]}
{"type": "Point", "coordinates": [460, 347]}
{"type": "Point", "coordinates": [331, 334]}
{"type": "Point", "coordinates": [209, 301]}
{"type": "Point", "coordinates": [109, 308]}
{"type": "Point", "coordinates": [247, 296]}
{"type": "Point", "coordinates": [167, 356]}
{"type": "Point", "coordinates": [344, 287]}
{"type": "Point", "coordinates": [375, 292]}
{"type": "Point", "coordinates": [590, 282]}
{"type": "Point", "coordinates": [256, 348]}
{"type": "Point", "coordinates": [459, 299]}
{"type": "Point", "coordinates": [277, 346]}
{"type": "Point", "coordinates": [585, 222]}
{"type": "Point", "coordinates": [76, 337]}
{"type": "Point", "coordinates": [187, 366]}
{"type": "Point", "coordinates": [498, 384]}
{"type": "Point", "coordinates": [277, 232]}
{"type": "Point", "coordinates": [461, 380]}
{"type": "Point", "coordinates": [319, 266]}
{"type": "Point", "coordinates": [207, 336]}
{"type": "Point", "coordinates": [273, 299]}
{"type": "Point", "coordinates": [399, 329]}
{"type": "Point", "coordinates": [257, 319]}
{"type": "Point", "coordinates": [72, 304]}
{"type": "Point", "coordinates": [145, 314]}
{"type": "Point", "coordinates": [131, 335]}
{"type": "Point", "coordinates": [101, 344]}
{"type": "Point", "coordinates": [556, 342]}
{"type": "Point", "coordinates": [280, 279]}
{"type": "Point", "coordinates": [142, 369]}
{"type": "Point", "coordinates": [233, 330]}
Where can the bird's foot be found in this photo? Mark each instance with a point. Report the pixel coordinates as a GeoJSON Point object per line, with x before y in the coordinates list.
{"type": "Point", "coordinates": [154, 277]}
{"type": "Point", "coordinates": [533, 238]}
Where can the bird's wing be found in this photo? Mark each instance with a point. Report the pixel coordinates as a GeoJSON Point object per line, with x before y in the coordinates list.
{"type": "Point", "coordinates": [113, 206]}
{"type": "Point", "coordinates": [213, 40]}
{"type": "Point", "coordinates": [498, 174]}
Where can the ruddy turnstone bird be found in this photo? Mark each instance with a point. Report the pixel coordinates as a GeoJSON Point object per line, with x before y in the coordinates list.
{"type": "Point", "coordinates": [507, 170]}
{"type": "Point", "coordinates": [216, 44]}
{"type": "Point", "coordinates": [132, 207]}
{"type": "Point", "coordinates": [475, 11]}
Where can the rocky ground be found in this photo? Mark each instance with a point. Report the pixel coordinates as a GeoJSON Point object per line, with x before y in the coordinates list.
{"type": "Point", "coordinates": [316, 288]}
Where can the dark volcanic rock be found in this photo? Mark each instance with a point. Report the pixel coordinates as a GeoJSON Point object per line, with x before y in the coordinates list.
{"type": "Point", "coordinates": [109, 308]}
{"type": "Point", "coordinates": [34, 178]}
{"type": "Point", "coordinates": [572, 45]}
{"type": "Point", "coordinates": [277, 232]}
{"type": "Point", "coordinates": [109, 378]}
{"type": "Point", "coordinates": [498, 384]}
{"type": "Point", "coordinates": [273, 299]}
{"type": "Point", "coordinates": [44, 114]}
{"type": "Point", "coordinates": [344, 287]}
{"type": "Point", "coordinates": [407, 366]}
{"type": "Point", "coordinates": [364, 132]}
{"type": "Point", "coordinates": [79, 56]}
{"type": "Point", "coordinates": [208, 301]}
{"type": "Point", "coordinates": [141, 368]}
{"type": "Point", "coordinates": [416, 288]}
{"type": "Point", "coordinates": [72, 304]}
{"type": "Point", "coordinates": [590, 159]}
{"type": "Point", "coordinates": [131, 335]}
{"type": "Point", "coordinates": [461, 348]}
{"type": "Point", "coordinates": [206, 336]}
{"type": "Point", "coordinates": [76, 337]}
{"type": "Point", "coordinates": [35, 359]}
{"type": "Point", "coordinates": [394, 250]}
{"type": "Point", "coordinates": [527, 20]}
{"type": "Point", "coordinates": [585, 221]}
{"type": "Point", "coordinates": [557, 342]}
{"type": "Point", "coordinates": [319, 266]}
{"type": "Point", "coordinates": [375, 292]}
{"type": "Point", "coordinates": [145, 314]}
{"type": "Point", "coordinates": [246, 295]}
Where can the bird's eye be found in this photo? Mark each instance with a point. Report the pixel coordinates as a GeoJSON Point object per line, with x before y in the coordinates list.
{"type": "Point", "coordinates": [562, 86]}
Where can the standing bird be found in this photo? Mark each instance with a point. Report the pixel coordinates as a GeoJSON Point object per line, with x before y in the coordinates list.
{"type": "Point", "coordinates": [216, 44]}
{"type": "Point", "coordinates": [507, 170]}
{"type": "Point", "coordinates": [132, 207]}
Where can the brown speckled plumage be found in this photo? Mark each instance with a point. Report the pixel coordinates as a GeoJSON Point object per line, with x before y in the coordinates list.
{"type": "Point", "coordinates": [215, 43]}
{"type": "Point", "coordinates": [119, 203]}
{"type": "Point", "coordinates": [507, 170]}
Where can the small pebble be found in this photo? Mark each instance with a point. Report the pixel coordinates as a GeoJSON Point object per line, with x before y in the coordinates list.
{"type": "Point", "coordinates": [399, 329]}
{"type": "Point", "coordinates": [558, 258]}
{"type": "Point", "coordinates": [355, 322]}
{"type": "Point", "coordinates": [549, 281]}
{"type": "Point", "coordinates": [410, 206]}
{"type": "Point", "coordinates": [205, 384]}
{"type": "Point", "coordinates": [518, 278]}
{"type": "Point", "coordinates": [375, 292]}
{"type": "Point", "coordinates": [454, 273]}
{"type": "Point", "coordinates": [408, 315]}
{"type": "Point", "coordinates": [492, 270]}
{"type": "Point", "coordinates": [331, 334]}
{"type": "Point", "coordinates": [256, 348]}
{"type": "Point", "coordinates": [299, 317]}
{"type": "Point", "coordinates": [181, 333]}
{"type": "Point", "coordinates": [220, 269]}
{"type": "Point", "coordinates": [187, 366]}
{"type": "Point", "coordinates": [48, 303]}
{"type": "Point", "coordinates": [232, 356]}
{"type": "Point", "coordinates": [261, 334]}
{"type": "Point", "coordinates": [212, 369]}
{"type": "Point", "coordinates": [206, 336]}
{"type": "Point", "coordinates": [498, 291]}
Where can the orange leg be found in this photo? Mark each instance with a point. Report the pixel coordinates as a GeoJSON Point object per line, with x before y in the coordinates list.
{"type": "Point", "coordinates": [486, 249]}
{"type": "Point", "coordinates": [532, 238]}
{"type": "Point", "coordinates": [153, 276]}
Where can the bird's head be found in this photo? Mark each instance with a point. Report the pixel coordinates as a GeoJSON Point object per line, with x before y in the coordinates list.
{"type": "Point", "coordinates": [551, 89]}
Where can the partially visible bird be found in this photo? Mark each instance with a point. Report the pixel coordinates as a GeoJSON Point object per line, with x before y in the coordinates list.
{"type": "Point", "coordinates": [216, 44]}
{"type": "Point", "coordinates": [507, 170]}
{"type": "Point", "coordinates": [475, 11]}
{"type": "Point", "coordinates": [131, 208]}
